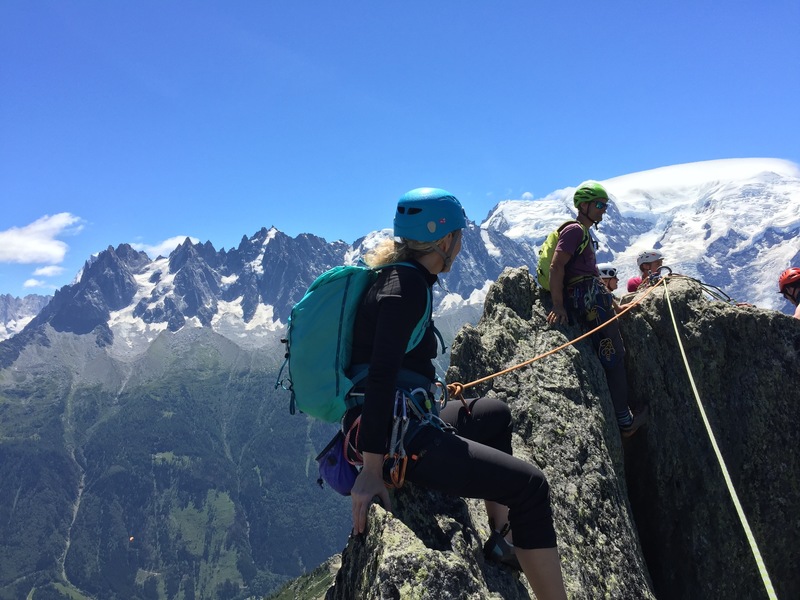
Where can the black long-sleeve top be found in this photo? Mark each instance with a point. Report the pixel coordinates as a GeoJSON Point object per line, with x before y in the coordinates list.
{"type": "Point", "coordinates": [390, 310]}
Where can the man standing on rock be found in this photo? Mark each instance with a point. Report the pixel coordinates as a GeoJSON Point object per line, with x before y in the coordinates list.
{"type": "Point", "coordinates": [574, 276]}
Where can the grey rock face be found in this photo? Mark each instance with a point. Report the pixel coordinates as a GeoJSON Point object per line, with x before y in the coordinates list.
{"type": "Point", "coordinates": [430, 548]}
{"type": "Point", "coordinates": [744, 363]}
{"type": "Point", "coordinates": [397, 564]}
{"type": "Point", "coordinates": [644, 518]}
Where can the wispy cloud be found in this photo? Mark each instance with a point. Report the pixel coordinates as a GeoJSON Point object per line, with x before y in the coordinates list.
{"type": "Point", "coordinates": [37, 242]}
{"type": "Point", "coordinates": [29, 283]}
{"type": "Point", "coordinates": [163, 248]}
{"type": "Point", "coordinates": [49, 271]}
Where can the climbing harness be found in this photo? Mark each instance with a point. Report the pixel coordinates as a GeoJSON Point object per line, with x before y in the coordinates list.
{"type": "Point", "coordinates": [425, 411]}
{"type": "Point", "coordinates": [587, 292]}
{"type": "Point", "coordinates": [762, 569]}
{"type": "Point", "coordinates": [413, 409]}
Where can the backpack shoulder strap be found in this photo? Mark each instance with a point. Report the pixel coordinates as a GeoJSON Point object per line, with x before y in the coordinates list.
{"type": "Point", "coordinates": [587, 238]}
{"type": "Point", "coordinates": [584, 241]}
{"type": "Point", "coordinates": [565, 223]}
{"type": "Point", "coordinates": [427, 316]}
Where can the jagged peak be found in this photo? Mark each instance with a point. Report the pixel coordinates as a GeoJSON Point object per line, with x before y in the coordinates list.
{"type": "Point", "coordinates": [136, 259]}
{"type": "Point", "coordinates": [182, 254]}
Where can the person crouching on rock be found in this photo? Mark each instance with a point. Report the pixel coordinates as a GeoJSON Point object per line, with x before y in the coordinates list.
{"type": "Point", "coordinates": [475, 461]}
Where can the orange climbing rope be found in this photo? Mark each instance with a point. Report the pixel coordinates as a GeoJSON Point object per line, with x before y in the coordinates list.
{"type": "Point", "coordinates": [456, 389]}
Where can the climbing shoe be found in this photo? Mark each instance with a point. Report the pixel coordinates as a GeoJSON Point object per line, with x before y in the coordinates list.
{"type": "Point", "coordinates": [639, 419]}
{"type": "Point", "coordinates": [497, 549]}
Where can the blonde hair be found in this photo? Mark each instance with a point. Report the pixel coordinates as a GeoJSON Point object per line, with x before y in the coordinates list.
{"type": "Point", "coordinates": [391, 251]}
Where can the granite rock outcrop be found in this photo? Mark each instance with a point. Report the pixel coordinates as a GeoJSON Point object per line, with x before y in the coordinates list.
{"type": "Point", "coordinates": [648, 517]}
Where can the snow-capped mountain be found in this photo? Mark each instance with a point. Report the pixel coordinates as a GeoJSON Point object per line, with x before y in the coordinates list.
{"type": "Point", "coordinates": [730, 223]}
{"type": "Point", "coordinates": [16, 313]}
{"type": "Point", "coordinates": [125, 299]}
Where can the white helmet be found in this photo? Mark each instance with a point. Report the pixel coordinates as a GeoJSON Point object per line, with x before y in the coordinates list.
{"type": "Point", "coordinates": [648, 256]}
{"type": "Point", "coordinates": [607, 271]}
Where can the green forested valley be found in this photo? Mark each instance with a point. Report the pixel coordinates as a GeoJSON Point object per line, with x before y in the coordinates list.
{"type": "Point", "coordinates": [189, 481]}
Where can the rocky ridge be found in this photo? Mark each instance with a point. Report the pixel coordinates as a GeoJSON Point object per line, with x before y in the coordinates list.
{"type": "Point", "coordinates": [648, 518]}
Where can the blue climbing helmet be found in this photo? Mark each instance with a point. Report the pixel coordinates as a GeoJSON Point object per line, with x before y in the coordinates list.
{"type": "Point", "coordinates": [428, 214]}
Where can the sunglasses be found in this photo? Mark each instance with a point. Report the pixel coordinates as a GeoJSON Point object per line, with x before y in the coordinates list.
{"type": "Point", "coordinates": [600, 205]}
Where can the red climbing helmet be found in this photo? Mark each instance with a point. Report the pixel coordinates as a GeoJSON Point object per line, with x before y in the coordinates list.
{"type": "Point", "coordinates": [788, 277]}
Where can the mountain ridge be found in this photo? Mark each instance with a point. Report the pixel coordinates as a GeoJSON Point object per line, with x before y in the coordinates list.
{"type": "Point", "coordinates": [246, 293]}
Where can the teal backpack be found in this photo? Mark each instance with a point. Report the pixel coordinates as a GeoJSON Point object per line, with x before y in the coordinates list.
{"type": "Point", "coordinates": [547, 250]}
{"type": "Point", "coordinates": [319, 341]}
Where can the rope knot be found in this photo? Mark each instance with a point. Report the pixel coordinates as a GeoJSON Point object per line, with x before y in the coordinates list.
{"type": "Point", "coordinates": [455, 390]}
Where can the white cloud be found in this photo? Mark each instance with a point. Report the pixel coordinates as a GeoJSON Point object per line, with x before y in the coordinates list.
{"type": "Point", "coordinates": [37, 243]}
{"type": "Point", "coordinates": [29, 283]}
{"type": "Point", "coordinates": [49, 271]}
{"type": "Point", "coordinates": [164, 248]}
{"type": "Point", "coordinates": [527, 196]}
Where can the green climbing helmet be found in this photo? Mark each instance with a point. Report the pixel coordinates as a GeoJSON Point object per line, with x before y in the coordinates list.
{"type": "Point", "coordinates": [589, 192]}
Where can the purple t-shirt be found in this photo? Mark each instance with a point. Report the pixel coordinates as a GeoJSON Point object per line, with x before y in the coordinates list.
{"type": "Point", "coordinates": [583, 265]}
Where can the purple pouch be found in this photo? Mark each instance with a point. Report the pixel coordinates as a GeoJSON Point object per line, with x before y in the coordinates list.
{"type": "Point", "coordinates": [334, 468]}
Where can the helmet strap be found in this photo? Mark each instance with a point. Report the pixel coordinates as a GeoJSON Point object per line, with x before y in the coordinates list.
{"type": "Point", "coordinates": [586, 214]}
{"type": "Point", "coordinates": [447, 256]}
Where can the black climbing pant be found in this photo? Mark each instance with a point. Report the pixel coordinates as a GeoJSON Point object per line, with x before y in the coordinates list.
{"type": "Point", "coordinates": [477, 463]}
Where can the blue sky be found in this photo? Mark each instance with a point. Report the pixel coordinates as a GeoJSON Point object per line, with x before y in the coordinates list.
{"type": "Point", "coordinates": [138, 122]}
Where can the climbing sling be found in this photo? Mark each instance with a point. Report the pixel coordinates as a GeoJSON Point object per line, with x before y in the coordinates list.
{"type": "Point", "coordinates": [415, 407]}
